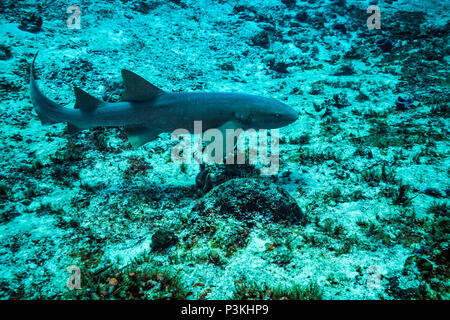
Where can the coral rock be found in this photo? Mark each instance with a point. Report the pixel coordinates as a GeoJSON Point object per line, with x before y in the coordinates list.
{"type": "Point", "coordinates": [247, 199]}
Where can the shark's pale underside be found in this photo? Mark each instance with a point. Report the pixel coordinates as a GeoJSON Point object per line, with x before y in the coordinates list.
{"type": "Point", "coordinates": [145, 111]}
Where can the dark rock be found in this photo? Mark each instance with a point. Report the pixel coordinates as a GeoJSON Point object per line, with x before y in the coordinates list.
{"type": "Point", "coordinates": [339, 101]}
{"type": "Point", "coordinates": [301, 16]}
{"type": "Point", "coordinates": [247, 199]}
{"type": "Point", "coordinates": [227, 66]}
{"type": "Point", "coordinates": [340, 27]}
{"type": "Point", "coordinates": [240, 9]}
{"type": "Point", "coordinates": [32, 23]}
{"type": "Point", "coordinates": [364, 152]}
{"type": "Point", "coordinates": [4, 191]}
{"type": "Point", "coordinates": [345, 70]}
{"type": "Point", "coordinates": [280, 67]}
{"type": "Point", "coordinates": [354, 53]}
{"type": "Point", "coordinates": [248, 13]}
{"type": "Point", "coordinates": [261, 39]}
{"type": "Point", "coordinates": [163, 239]}
{"type": "Point", "coordinates": [433, 192]}
{"type": "Point", "coordinates": [145, 7]}
{"type": "Point", "coordinates": [179, 3]}
{"type": "Point", "coordinates": [5, 52]}
{"type": "Point", "coordinates": [385, 44]}
{"type": "Point", "coordinates": [318, 21]}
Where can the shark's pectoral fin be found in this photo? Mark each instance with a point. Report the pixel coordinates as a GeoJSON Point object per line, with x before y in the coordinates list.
{"type": "Point", "coordinates": [228, 150]}
{"type": "Point", "coordinates": [234, 125]}
{"type": "Point", "coordinates": [137, 88]}
{"type": "Point", "coordinates": [85, 101]}
{"type": "Point", "coordinates": [139, 136]}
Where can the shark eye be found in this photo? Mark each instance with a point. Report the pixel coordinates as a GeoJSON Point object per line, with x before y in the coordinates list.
{"type": "Point", "coordinates": [277, 115]}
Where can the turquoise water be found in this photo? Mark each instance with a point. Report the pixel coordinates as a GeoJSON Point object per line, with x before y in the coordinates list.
{"type": "Point", "coordinates": [356, 208]}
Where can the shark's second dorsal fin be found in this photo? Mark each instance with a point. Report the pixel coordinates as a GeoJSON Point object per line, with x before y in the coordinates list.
{"type": "Point", "coordinates": [84, 100]}
{"type": "Point", "coordinates": [137, 88]}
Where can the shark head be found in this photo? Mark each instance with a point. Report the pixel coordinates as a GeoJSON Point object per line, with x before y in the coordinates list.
{"type": "Point", "coordinates": [268, 113]}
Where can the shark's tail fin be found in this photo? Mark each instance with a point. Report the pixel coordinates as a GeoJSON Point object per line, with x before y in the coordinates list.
{"type": "Point", "coordinates": [40, 102]}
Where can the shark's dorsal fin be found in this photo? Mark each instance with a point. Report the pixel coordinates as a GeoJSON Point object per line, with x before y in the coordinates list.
{"type": "Point", "coordinates": [84, 100]}
{"type": "Point", "coordinates": [137, 88]}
